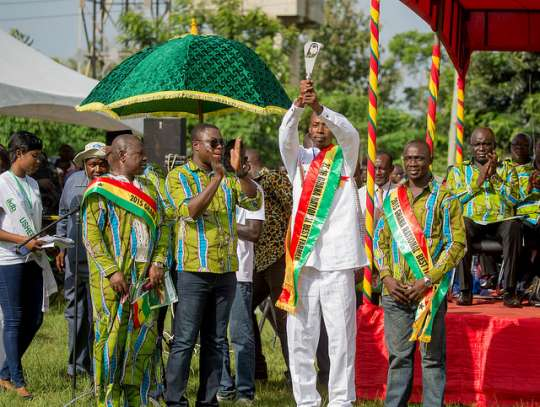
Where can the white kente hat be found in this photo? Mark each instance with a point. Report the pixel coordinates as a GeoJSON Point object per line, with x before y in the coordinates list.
{"type": "Point", "coordinates": [94, 149]}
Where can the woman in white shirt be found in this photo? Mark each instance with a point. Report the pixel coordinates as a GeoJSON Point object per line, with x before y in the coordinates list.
{"type": "Point", "coordinates": [21, 278]}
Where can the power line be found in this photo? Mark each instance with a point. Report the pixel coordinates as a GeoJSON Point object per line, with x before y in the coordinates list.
{"type": "Point", "coordinates": [17, 3]}
{"type": "Point", "coordinates": [39, 17]}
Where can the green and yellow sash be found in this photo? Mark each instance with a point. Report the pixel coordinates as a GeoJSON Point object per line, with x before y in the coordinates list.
{"type": "Point", "coordinates": [320, 185]}
{"type": "Point", "coordinates": [411, 242]}
{"type": "Point", "coordinates": [128, 197]}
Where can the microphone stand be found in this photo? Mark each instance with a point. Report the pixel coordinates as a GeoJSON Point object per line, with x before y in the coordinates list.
{"type": "Point", "coordinates": [76, 311]}
{"type": "Point", "coordinates": [45, 229]}
{"type": "Point", "coordinates": [74, 397]}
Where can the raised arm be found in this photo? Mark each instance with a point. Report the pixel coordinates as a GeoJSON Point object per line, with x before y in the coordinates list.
{"type": "Point", "coordinates": [289, 144]}
{"type": "Point", "coordinates": [342, 129]}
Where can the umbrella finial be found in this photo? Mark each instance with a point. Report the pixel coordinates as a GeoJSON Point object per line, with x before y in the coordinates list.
{"type": "Point", "coordinates": [194, 28]}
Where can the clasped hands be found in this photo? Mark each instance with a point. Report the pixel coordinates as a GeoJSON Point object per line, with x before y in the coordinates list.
{"type": "Point", "coordinates": [403, 293]}
{"type": "Point", "coordinates": [237, 163]}
{"type": "Point", "coordinates": [308, 96]}
{"type": "Point", "coordinates": [489, 168]}
{"type": "Point", "coordinates": [119, 284]}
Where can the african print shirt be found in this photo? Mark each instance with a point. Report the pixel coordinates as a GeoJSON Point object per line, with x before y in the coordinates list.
{"type": "Point", "coordinates": [278, 202]}
{"type": "Point", "coordinates": [529, 199]}
{"type": "Point", "coordinates": [208, 243]}
{"type": "Point", "coordinates": [440, 215]}
{"type": "Point", "coordinates": [494, 201]}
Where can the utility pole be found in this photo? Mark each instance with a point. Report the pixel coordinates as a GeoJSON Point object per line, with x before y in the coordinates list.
{"type": "Point", "coordinates": [94, 39]}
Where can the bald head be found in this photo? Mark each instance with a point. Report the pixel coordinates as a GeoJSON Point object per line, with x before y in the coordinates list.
{"type": "Point", "coordinates": [484, 133]}
{"type": "Point", "coordinates": [483, 144]}
{"type": "Point", "coordinates": [126, 155]}
{"type": "Point", "coordinates": [418, 144]}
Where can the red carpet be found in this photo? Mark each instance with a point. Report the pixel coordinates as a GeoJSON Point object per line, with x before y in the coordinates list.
{"type": "Point", "coordinates": [493, 356]}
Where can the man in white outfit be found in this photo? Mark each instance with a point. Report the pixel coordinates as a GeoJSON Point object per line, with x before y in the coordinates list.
{"type": "Point", "coordinates": [325, 249]}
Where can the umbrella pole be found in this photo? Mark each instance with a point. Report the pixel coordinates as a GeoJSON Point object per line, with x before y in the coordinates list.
{"type": "Point", "coordinates": [200, 111]}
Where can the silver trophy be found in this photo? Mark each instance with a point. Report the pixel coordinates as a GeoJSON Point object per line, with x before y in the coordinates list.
{"type": "Point", "coordinates": [311, 50]}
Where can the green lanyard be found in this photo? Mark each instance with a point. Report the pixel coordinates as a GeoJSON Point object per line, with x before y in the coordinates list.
{"type": "Point", "coordinates": [26, 196]}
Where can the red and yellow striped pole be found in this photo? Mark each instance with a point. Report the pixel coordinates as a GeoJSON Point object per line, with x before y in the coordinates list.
{"type": "Point", "coordinates": [433, 94]}
{"type": "Point", "coordinates": [460, 118]}
{"type": "Point", "coordinates": [372, 146]}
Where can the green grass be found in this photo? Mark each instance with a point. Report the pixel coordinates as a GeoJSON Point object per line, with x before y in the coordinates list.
{"type": "Point", "coordinates": [46, 360]}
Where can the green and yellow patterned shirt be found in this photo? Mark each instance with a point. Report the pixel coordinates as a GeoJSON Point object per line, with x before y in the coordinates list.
{"type": "Point", "coordinates": [155, 175]}
{"type": "Point", "coordinates": [440, 215]}
{"type": "Point", "coordinates": [494, 200]}
{"type": "Point", "coordinates": [529, 200]}
{"type": "Point", "coordinates": [208, 243]}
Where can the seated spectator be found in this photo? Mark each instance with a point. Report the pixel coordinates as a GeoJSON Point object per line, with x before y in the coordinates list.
{"type": "Point", "coordinates": [529, 197]}
{"type": "Point", "coordinates": [94, 164]}
{"type": "Point", "coordinates": [489, 191]}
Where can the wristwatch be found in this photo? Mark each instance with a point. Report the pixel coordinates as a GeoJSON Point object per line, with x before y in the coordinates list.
{"type": "Point", "coordinates": [495, 178]}
{"type": "Point", "coordinates": [428, 282]}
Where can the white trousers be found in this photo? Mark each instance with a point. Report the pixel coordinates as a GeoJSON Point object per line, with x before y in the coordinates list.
{"type": "Point", "coordinates": [330, 294]}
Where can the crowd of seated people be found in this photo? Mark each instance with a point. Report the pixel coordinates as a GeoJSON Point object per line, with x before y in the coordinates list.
{"type": "Point", "coordinates": [500, 202]}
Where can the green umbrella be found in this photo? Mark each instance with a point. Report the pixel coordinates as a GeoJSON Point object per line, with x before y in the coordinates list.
{"type": "Point", "coordinates": [189, 76]}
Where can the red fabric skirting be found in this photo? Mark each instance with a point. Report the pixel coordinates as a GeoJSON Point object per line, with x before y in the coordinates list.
{"type": "Point", "coordinates": [492, 352]}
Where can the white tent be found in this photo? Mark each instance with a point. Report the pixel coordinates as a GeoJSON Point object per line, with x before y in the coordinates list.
{"type": "Point", "coordinates": [33, 85]}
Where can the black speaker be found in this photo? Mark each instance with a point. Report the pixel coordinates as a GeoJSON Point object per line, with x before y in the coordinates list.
{"type": "Point", "coordinates": [163, 137]}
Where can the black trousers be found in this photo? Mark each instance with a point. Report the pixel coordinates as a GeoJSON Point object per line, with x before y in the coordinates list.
{"type": "Point", "coordinates": [509, 234]}
{"type": "Point", "coordinates": [266, 283]}
{"type": "Point", "coordinates": [531, 257]}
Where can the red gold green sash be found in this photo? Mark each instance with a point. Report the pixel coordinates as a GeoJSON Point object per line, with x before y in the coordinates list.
{"type": "Point", "coordinates": [320, 184]}
{"type": "Point", "coordinates": [141, 311]}
{"type": "Point", "coordinates": [411, 242]}
{"type": "Point", "coordinates": [128, 197]}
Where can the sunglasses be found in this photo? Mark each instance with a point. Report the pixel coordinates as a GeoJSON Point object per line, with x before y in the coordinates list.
{"type": "Point", "coordinates": [214, 143]}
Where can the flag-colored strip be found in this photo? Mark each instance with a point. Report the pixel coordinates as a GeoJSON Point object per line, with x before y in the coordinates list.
{"type": "Point", "coordinates": [411, 242]}
{"type": "Point", "coordinates": [460, 118]}
{"type": "Point", "coordinates": [433, 95]}
{"type": "Point", "coordinates": [128, 197]}
{"type": "Point", "coordinates": [373, 91]}
{"type": "Point", "coordinates": [320, 185]}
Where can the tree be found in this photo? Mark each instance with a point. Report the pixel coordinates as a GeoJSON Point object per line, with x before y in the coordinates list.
{"type": "Point", "coordinates": [502, 92]}
{"type": "Point", "coordinates": [226, 18]}
{"type": "Point", "coordinates": [52, 134]}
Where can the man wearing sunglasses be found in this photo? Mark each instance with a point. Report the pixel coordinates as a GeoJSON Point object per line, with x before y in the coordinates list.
{"type": "Point", "coordinates": [204, 200]}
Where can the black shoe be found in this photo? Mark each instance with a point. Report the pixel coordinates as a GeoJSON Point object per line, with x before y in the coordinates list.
{"type": "Point", "coordinates": [511, 301]}
{"type": "Point", "coordinates": [465, 298]}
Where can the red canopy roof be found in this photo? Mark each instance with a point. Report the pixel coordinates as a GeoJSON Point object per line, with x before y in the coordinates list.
{"type": "Point", "coordinates": [465, 26]}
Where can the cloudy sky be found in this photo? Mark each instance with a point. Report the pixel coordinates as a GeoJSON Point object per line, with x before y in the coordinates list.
{"type": "Point", "coordinates": [55, 25]}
